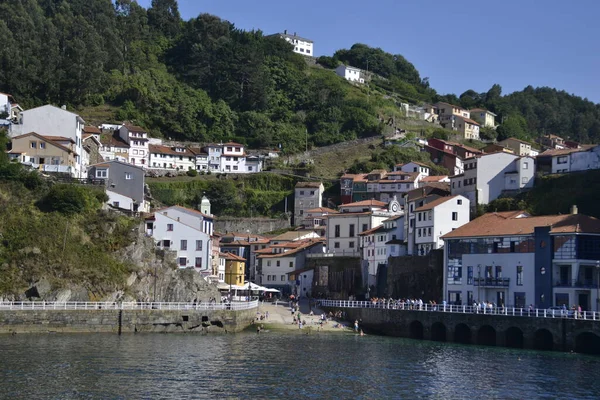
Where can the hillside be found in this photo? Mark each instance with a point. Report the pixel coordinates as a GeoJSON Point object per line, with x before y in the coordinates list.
{"type": "Point", "coordinates": [206, 80]}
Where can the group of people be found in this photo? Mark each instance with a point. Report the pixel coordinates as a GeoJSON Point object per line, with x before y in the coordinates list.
{"type": "Point", "coordinates": [403, 304]}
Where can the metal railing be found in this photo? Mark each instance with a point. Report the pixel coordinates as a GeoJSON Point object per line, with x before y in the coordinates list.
{"type": "Point", "coordinates": [464, 309]}
{"type": "Point", "coordinates": [492, 282]}
{"type": "Point", "coordinates": [582, 283]}
{"type": "Point", "coordinates": [110, 305]}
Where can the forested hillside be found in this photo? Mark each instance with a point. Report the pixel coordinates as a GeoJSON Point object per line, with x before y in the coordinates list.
{"type": "Point", "coordinates": [206, 80]}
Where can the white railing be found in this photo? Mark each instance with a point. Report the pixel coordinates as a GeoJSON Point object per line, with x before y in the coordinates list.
{"type": "Point", "coordinates": [506, 311]}
{"type": "Point", "coordinates": [111, 305]}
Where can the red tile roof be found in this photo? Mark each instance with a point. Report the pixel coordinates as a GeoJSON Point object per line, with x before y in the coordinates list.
{"type": "Point", "coordinates": [135, 128]}
{"type": "Point", "coordinates": [231, 257]}
{"type": "Point", "coordinates": [159, 149]}
{"type": "Point", "coordinates": [434, 178]}
{"type": "Point", "coordinates": [365, 203]}
{"type": "Point", "coordinates": [508, 223]}
{"type": "Point", "coordinates": [53, 140]}
{"type": "Point", "coordinates": [322, 210]}
{"type": "Point", "coordinates": [564, 152]}
{"type": "Point", "coordinates": [91, 129]}
{"type": "Point", "coordinates": [113, 140]}
{"type": "Point", "coordinates": [372, 230]}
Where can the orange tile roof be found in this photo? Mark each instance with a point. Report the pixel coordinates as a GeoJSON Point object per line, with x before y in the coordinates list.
{"type": "Point", "coordinates": [434, 178]}
{"type": "Point", "coordinates": [49, 139]}
{"type": "Point", "coordinates": [304, 245]}
{"type": "Point", "coordinates": [135, 128]}
{"type": "Point", "coordinates": [507, 224]}
{"type": "Point", "coordinates": [159, 149]}
{"type": "Point", "coordinates": [370, 231]}
{"type": "Point", "coordinates": [435, 203]}
{"type": "Point", "coordinates": [564, 152]}
{"type": "Point", "coordinates": [113, 141]}
{"type": "Point", "coordinates": [322, 210]}
{"type": "Point", "coordinates": [91, 129]}
{"type": "Point", "coordinates": [233, 144]}
{"type": "Point", "coordinates": [59, 138]}
{"type": "Point", "coordinates": [231, 257]}
{"type": "Point", "coordinates": [373, 203]}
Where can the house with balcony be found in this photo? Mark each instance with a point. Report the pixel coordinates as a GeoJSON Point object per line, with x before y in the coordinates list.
{"type": "Point", "coordinates": [187, 232]}
{"type": "Point", "coordinates": [137, 139]}
{"type": "Point", "coordinates": [484, 117]}
{"type": "Point", "coordinates": [487, 176]}
{"type": "Point", "coordinates": [201, 158]}
{"type": "Point", "coordinates": [125, 185]}
{"type": "Point", "coordinates": [435, 219]}
{"type": "Point", "coordinates": [47, 153]}
{"type": "Point", "coordinates": [307, 195]}
{"type": "Point", "coordinates": [171, 158]}
{"type": "Point", "coordinates": [279, 264]}
{"type": "Point", "coordinates": [52, 121]}
{"type": "Point", "coordinates": [514, 259]}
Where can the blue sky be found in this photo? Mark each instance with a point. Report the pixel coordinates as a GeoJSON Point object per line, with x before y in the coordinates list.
{"type": "Point", "coordinates": [459, 45]}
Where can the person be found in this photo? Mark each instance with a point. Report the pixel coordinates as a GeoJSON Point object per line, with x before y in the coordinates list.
{"type": "Point", "coordinates": [362, 333]}
{"type": "Point", "coordinates": [356, 326]}
{"type": "Point", "coordinates": [267, 315]}
{"type": "Point", "coordinates": [257, 329]}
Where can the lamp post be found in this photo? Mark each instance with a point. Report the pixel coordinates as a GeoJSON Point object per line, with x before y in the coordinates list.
{"type": "Point", "coordinates": [479, 283]}
{"type": "Point", "coordinates": [598, 286]}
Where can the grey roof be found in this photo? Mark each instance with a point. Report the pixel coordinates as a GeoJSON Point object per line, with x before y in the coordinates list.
{"type": "Point", "coordinates": [287, 35]}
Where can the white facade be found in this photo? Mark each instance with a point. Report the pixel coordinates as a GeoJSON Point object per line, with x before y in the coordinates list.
{"type": "Point", "coordinates": [487, 176]}
{"type": "Point", "coordinates": [120, 201]}
{"type": "Point", "coordinates": [301, 45]}
{"type": "Point", "coordinates": [437, 218]}
{"type": "Point", "coordinates": [373, 251]}
{"type": "Point", "coordinates": [177, 158]}
{"type": "Point", "coordinates": [49, 120]}
{"type": "Point", "coordinates": [396, 244]}
{"type": "Point", "coordinates": [350, 73]}
{"type": "Point", "coordinates": [412, 166]}
{"type": "Point", "coordinates": [137, 138]}
{"type": "Point", "coordinates": [580, 160]}
{"type": "Point", "coordinates": [343, 229]}
{"type": "Point", "coordinates": [5, 108]}
{"type": "Point", "coordinates": [233, 159]}
{"type": "Point", "coordinates": [193, 246]}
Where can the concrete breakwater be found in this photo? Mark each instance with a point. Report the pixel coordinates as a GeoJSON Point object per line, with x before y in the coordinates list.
{"type": "Point", "coordinates": [125, 321]}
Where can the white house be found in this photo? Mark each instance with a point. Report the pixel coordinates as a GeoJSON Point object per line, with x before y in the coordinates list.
{"type": "Point", "coordinates": [396, 244]}
{"type": "Point", "coordinates": [51, 121]}
{"type": "Point", "coordinates": [137, 139]}
{"type": "Point", "coordinates": [349, 73]}
{"type": "Point", "coordinates": [307, 195]}
{"type": "Point", "coordinates": [513, 259]}
{"type": "Point", "coordinates": [112, 147]}
{"type": "Point", "coordinates": [301, 45]}
{"type": "Point", "coordinates": [6, 101]}
{"type": "Point", "coordinates": [233, 159]}
{"type": "Point", "coordinates": [569, 160]}
{"type": "Point", "coordinates": [436, 218]}
{"type": "Point", "coordinates": [486, 176]}
{"type": "Point", "coordinates": [414, 166]}
{"type": "Point", "coordinates": [316, 218]}
{"type": "Point", "coordinates": [253, 164]}
{"type": "Point", "coordinates": [185, 231]}
{"type": "Point", "coordinates": [215, 151]}
{"type": "Point", "coordinates": [175, 158]}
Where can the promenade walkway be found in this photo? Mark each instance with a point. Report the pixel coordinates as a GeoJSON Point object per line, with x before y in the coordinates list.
{"type": "Point", "coordinates": [111, 305]}
{"type": "Point", "coordinates": [280, 317]}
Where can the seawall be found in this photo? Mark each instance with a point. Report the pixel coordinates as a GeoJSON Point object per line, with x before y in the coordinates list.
{"type": "Point", "coordinates": [124, 321]}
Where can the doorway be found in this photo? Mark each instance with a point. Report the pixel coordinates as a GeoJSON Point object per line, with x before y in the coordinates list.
{"type": "Point", "coordinates": [500, 299]}
{"type": "Point", "coordinates": [584, 299]}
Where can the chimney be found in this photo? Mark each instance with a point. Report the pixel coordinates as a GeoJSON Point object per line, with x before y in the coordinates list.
{"type": "Point", "coordinates": [285, 32]}
{"type": "Point", "coordinates": [63, 107]}
{"type": "Point", "coordinates": [574, 210]}
{"type": "Point", "coordinates": [294, 33]}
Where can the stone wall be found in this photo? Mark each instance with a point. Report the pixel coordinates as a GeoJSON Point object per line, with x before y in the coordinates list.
{"type": "Point", "coordinates": [336, 277]}
{"type": "Point", "coordinates": [416, 277]}
{"type": "Point", "coordinates": [126, 321]}
{"type": "Point", "coordinates": [254, 225]}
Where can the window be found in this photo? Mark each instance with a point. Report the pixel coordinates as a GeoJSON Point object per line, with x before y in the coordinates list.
{"type": "Point", "coordinates": [351, 245]}
{"type": "Point", "coordinates": [182, 261]}
{"type": "Point", "coordinates": [302, 193]}
{"type": "Point", "coordinates": [268, 277]}
{"type": "Point", "coordinates": [523, 180]}
{"type": "Point", "coordinates": [336, 245]}
{"type": "Point", "coordinates": [561, 160]}
{"type": "Point", "coordinates": [169, 227]}
{"type": "Point", "coordinates": [498, 271]}
{"type": "Point", "coordinates": [101, 173]}
{"type": "Point", "coordinates": [282, 278]}
{"type": "Point", "coordinates": [183, 245]}
{"type": "Point", "coordinates": [337, 231]}
{"type": "Point", "coordinates": [365, 227]}
{"type": "Point", "coordinates": [198, 262]}
{"type": "Point", "coordinates": [469, 275]}
{"type": "Point", "coordinates": [454, 216]}
{"type": "Point", "coordinates": [291, 264]}
{"type": "Point", "coordinates": [420, 216]}
{"type": "Point", "coordinates": [33, 145]}
{"type": "Point", "coordinates": [115, 204]}
{"type": "Point", "coordinates": [429, 215]}
{"type": "Point", "coordinates": [525, 165]}
{"type": "Point", "coordinates": [419, 232]}
{"type": "Point", "coordinates": [459, 202]}
{"type": "Point", "coordinates": [230, 149]}
{"type": "Point", "coordinates": [278, 263]}
{"type": "Point", "coordinates": [428, 231]}
{"type": "Point", "coordinates": [198, 245]}
{"type": "Point", "coordinates": [269, 263]}
{"type": "Point", "coordinates": [42, 145]}
{"type": "Point", "coordinates": [351, 233]}
{"type": "Point", "coordinates": [127, 176]}
{"type": "Point", "coordinates": [488, 271]}
{"type": "Point", "coordinates": [519, 275]}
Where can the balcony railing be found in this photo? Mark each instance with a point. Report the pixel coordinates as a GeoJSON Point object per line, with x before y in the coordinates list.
{"type": "Point", "coordinates": [492, 282]}
{"type": "Point", "coordinates": [577, 283]}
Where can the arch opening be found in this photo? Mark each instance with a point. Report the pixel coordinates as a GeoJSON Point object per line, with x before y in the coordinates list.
{"type": "Point", "coordinates": [587, 343]}
{"type": "Point", "coordinates": [438, 332]}
{"type": "Point", "coordinates": [462, 334]}
{"type": "Point", "coordinates": [416, 330]}
{"type": "Point", "coordinates": [513, 337]}
{"type": "Point", "coordinates": [486, 336]}
{"type": "Point", "coordinates": [543, 340]}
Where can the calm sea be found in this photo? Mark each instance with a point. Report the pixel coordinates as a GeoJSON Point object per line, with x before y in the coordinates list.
{"type": "Point", "coordinates": [282, 365]}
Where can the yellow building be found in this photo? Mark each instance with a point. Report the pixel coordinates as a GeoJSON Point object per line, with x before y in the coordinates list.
{"type": "Point", "coordinates": [484, 117]}
{"type": "Point", "coordinates": [234, 269]}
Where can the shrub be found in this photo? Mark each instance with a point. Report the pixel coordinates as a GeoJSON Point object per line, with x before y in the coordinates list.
{"type": "Point", "coordinates": [71, 199]}
{"type": "Point", "coordinates": [191, 172]}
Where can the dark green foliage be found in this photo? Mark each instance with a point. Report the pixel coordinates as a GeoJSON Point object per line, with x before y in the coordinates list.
{"type": "Point", "coordinates": [328, 62]}
{"type": "Point", "coordinates": [392, 156]}
{"type": "Point", "coordinates": [191, 172]}
{"type": "Point", "coordinates": [71, 199]}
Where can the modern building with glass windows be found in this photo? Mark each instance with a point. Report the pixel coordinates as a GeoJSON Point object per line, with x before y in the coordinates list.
{"type": "Point", "coordinates": [514, 259]}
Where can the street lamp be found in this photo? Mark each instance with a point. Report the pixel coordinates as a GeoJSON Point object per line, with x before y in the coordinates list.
{"type": "Point", "coordinates": [479, 283]}
{"type": "Point", "coordinates": [597, 285]}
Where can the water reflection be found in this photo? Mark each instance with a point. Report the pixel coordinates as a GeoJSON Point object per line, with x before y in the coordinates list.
{"type": "Point", "coordinates": [276, 365]}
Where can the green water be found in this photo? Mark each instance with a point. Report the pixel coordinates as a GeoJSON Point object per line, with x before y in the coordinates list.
{"type": "Point", "coordinates": [282, 365]}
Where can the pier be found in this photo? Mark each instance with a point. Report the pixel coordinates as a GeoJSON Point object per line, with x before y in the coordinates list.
{"type": "Point", "coordinates": [539, 329]}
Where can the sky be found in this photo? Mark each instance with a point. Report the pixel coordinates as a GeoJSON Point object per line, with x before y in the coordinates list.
{"type": "Point", "coordinates": [459, 45]}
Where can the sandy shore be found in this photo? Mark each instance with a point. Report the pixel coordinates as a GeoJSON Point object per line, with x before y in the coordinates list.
{"type": "Point", "coordinates": [281, 318]}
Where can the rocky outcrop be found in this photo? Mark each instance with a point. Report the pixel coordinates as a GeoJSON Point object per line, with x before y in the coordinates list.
{"type": "Point", "coordinates": [154, 277]}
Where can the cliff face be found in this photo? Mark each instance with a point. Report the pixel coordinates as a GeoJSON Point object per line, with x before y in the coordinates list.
{"type": "Point", "coordinates": [154, 277]}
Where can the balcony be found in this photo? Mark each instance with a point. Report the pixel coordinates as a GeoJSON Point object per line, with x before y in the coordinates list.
{"type": "Point", "coordinates": [577, 283]}
{"type": "Point", "coordinates": [491, 282]}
